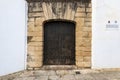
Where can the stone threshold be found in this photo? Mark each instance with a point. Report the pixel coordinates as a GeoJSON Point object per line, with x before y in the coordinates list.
{"type": "Point", "coordinates": [58, 67]}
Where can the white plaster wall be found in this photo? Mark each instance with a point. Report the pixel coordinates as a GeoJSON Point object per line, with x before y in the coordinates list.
{"type": "Point", "coordinates": [12, 36]}
{"type": "Point", "coordinates": [105, 41]}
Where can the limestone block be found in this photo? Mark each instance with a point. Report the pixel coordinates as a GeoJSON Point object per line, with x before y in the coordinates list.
{"type": "Point", "coordinates": [87, 64]}
{"type": "Point", "coordinates": [31, 19]}
{"type": "Point", "coordinates": [38, 28]}
{"type": "Point", "coordinates": [86, 48]}
{"type": "Point", "coordinates": [37, 34]}
{"type": "Point", "coordinates": [30, 48]}
{"type": "Point", "coordinates": [86, 34]}
{"type": "Point", "coordinates": [31, 26]}
{"type": "Point", "coordinates": [78, 48]}
{"type": "Point", "coordinates": [35, 48]}
{"type": "Point", "coordinates": [83, 53]}
{"type": "Point", "coordinates": [35, 44]}
{"type": "Point", "coordinates": [36, 14]}
{"type": "Point", "coordinates": [87, 29]}
{"type": "Point", "coordinates": [82, 15]}
{"type": "Point", "coordinates": [37, 39]}
{"type": "Point", "coordinates": [34, 64]}
{"type": "Point", "coordinates": [39, 21]}
{"type": "Point", "coordinates": [78, 40]}
{"type": "Point", "coordinates": [86, 53]}
{"type": "Point", "coordinates": [86, 40]}
{"type": "Point", "coordinates": [79, 58]}
{"type": "Point", "coordinates": [79, 24]}
{"type": "Point", "coordinates": [79, 34]}
{"type": "Point", "coordinates": [36, 58]}
{"type": "Point", "coordinates": [88, 24]}
{"type": "Point", "coordinates": [35, 53]}
{"type": "Point", "coordinates": [37, 6]}
{"type": "Point", "coordinates": [88, 19]}
{"type": "Point", "coordinates": [82, 10]}
{"type": "Point", "coordinates": [89, 10]}
{"type": "Point", "coordinates": [90, 5]}
{"type": "Point", "coordinates": [79, 64]}
{"type": "Point", "coordinates": [79, 52]}
{"type": "Point", "coordinates": [38, 48]}
{"type": "Point", "coordinates": [87, 59]}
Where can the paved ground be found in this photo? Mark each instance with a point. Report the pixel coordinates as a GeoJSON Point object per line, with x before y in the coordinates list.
{"type": "Point", "coordinates": [64, 75]}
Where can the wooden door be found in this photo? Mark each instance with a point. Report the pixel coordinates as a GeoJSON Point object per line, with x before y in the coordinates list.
{"type": "Point", "coordinates": [59, 43]}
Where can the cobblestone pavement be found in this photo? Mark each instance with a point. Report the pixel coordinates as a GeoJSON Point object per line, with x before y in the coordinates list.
{"type": "Point", "coordinates": [64, 75]}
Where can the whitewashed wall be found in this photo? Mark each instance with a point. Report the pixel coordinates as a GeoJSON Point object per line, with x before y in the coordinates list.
{"type": "Point", "coordinates": [106, 41]}
{"type": "Point", "coordinates": [12, 36]}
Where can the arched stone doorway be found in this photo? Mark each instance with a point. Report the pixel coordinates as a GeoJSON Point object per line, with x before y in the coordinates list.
{"type": "Point", "coordinates": [59, 42]}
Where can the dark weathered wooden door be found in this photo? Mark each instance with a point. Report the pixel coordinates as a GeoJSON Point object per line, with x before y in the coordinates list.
{"type": "Point", "coordinates": [59, 43]}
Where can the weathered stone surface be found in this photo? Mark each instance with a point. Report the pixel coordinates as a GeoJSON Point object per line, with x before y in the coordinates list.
{"type": "Point", "coordinates": [33, 64]}
{"type": "Point", "coordinates": [37, 39]}
{"type": "Point", "coordinates": [79, 58]}
{"type": "Point", "coordinates": [53, 77]}
{"type": "Point", "coordinates": [82, 15]}
{"type": "Point", "coordinates": [38, 12]}
{"type": "Point", "coordinates": [31, 19]}
{"type": "Point", "coordinates": [87, 64]}
{"type": "Point", "coordinates": [35, 44]}
{"type": "Point", "coordinates": [37, 34]}
{"type": "Point", "coordinates": [31, 26]}
{"type": "Point", "coordinates": [39, 21]}
{"type": "Point", "coordinates": [38, 28]}
{"type": "Point", "coordinates": [76, 74]}
{"type": "Point", "coordinates": [86, 58]}
{"type": "Point", "coordinates": [35, 14]}
{"type": "Point", "coordinates": [39, 52]}
{"type": "Point", "coordinates": [79, 64]}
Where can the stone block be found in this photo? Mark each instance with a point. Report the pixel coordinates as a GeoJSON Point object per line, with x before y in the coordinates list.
{"type": "Point", "coordinates": [90, 5]}
{"type": "Point", "coordinates": [35, 53]}
{"type": "Point", "coordinates": [35, 34]}
{"type": "Point", "coordinates": [87, 29]}
{"type": "Point", "coordinates": [34, 64]}
{"type": "Point", "coordinates": [38, 28]}
{"type": "Point", "coordinates": [79, 58]}
{"type": "Point", "coordinates": [89, 10]}
{"type": "Point", "coordinates": [37, 7]}
{"type": "Point", "coordinates": [88, 19]}
{"type": "Point", "coordinates": [37, 39]}
{"type": "Point", "coordinates": [38, 48]}
{"type": "Point", "coordinates": [79, 33]}
{"type": "Point", "coordinates": [30, 48]}
{"type": "Point", "coordinates": [31, 26]}
{"type": "Point", "coordinates": [86, 53]}
{"type": "Point", "coordinates": [82, 10]}
{"type": "Point", "coordinates": [86, 34]}
{"type": "Point", "coordinates": [31, 19]}
{"type": "Point", "coordinates": [79, 23]}
{"type": "Point", "coordinates": [86, 48]}
{"type": "Point", "coordinates": [87, 64]}
{"type": "Point", "coordinates": [79, 64]}
{"type": "Point", "coordinates": [87, 59]}
{"type": "Point", "coordinates": [88, 24]}
{"type": "Point", "coordinates": [35, 14]}
{"type": "Point", "coordinates": [39, 21]}
{"type": "Point", "coordinates": [79, 52]}
{"type": "Point", "coordinates": [80, 15]}
{"type": "Point", "coordinates": [35, 44]}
